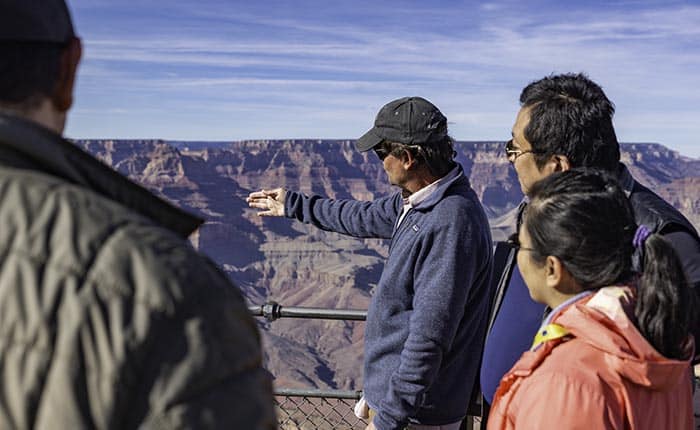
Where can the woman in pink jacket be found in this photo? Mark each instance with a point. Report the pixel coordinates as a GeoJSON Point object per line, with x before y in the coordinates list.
{"type": "Point", "coordinates": [614, 353]}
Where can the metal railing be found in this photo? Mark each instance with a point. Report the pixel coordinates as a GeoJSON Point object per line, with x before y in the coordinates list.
{"type": "Point", "coordinates": [309, 409]}
{"type": "Point", "coordinates": [273, 311]}
{"type": "Point", "coordinates": [312, 409]}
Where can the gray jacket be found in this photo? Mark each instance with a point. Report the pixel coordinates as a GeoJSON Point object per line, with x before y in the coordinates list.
{"type": "Point", "coordinates": [108, 317]}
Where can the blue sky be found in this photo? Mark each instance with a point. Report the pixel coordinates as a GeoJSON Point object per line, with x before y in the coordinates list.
{"type": "Point", "coordinates": [231, 70]}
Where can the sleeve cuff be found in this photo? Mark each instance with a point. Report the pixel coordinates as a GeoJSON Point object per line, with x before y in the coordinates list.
{"type": "Point", "coordinates": [290, 201]}
{"type": "Point", "coordinates": [385, 422]}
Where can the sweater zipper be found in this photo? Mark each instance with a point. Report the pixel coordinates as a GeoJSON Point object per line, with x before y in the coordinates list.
{"type": "Point", "coordinates": [400, 229]}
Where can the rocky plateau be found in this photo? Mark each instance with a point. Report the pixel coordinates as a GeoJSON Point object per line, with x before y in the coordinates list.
{"type": "Point", "coordinates": [297, 265]}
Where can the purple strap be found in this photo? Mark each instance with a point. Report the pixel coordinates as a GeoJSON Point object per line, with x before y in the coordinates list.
{"type": "Point", "coordinates": [641, 235]}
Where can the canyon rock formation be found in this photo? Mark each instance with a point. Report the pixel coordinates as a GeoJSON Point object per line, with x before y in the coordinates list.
{"type": "Point", "coordinates": [296, 265]}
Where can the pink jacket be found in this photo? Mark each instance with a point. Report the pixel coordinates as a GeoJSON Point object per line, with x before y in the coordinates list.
{"type": "Point", "coordinates": [604, 375]}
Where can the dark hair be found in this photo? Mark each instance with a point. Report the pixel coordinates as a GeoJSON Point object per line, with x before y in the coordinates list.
{"type": "Point", "coordinates": [583, 217]}
{"type": "Point", "coordinates": [570, 115]}
{"type": "Point", "coordinates": [438, 156]}
{"type": "Point", "coordinates": [29, 72]}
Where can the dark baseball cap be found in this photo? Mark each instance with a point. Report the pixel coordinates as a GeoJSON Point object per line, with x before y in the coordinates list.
{"type": "Point", "coordinates": [409, 120]}
{"type": "Point", "coordinates": [35, 21]}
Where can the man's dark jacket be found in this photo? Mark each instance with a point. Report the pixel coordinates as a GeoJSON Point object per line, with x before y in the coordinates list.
{"type": "Point", "coordinates": [108, 317]}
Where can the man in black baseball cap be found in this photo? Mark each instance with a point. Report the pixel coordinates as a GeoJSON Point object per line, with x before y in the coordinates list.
{"type": "Point", "coordinates": [110, 319]}
{"type": "Point", "coordinates": [415, 128]}
{"type": "Point", "coordinates": [428, 313]}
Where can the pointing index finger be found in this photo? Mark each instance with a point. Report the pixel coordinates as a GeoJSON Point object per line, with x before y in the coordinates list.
{"type": "Point", "coordinates": [257, 195]}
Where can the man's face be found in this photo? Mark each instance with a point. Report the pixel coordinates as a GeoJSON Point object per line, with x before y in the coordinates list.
{"type": "Point", "coordinates": [393, 166]}
{"type": "Point", "coordinates": [522, 156]}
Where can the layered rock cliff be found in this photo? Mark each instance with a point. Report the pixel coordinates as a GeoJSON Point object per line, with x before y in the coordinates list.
{"type": "Point", "coordinates": [295, 265]}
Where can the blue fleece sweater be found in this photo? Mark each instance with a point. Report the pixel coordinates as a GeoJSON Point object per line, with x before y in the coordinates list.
{"type": "Point", "coordinates": [428, 315]}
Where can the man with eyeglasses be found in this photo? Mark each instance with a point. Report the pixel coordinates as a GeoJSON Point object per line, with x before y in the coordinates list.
{"type": "Point", "coordinates": [565, 121]}
{"type": "Point", "coordinates": [428, 314]}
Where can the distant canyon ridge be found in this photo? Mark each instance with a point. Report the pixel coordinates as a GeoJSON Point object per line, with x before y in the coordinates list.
{"type": "Point", "coordinates": [297, 265]}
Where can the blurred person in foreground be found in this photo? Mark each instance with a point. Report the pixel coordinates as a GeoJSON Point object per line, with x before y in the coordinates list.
{"type": "Point", "coordinates": [565, 122]}
{"type": "Point", "coordinates": [108, 317]}
{"type": "Point", "coordinates": [428, 314]}
{"type": "Point", "coordinates": [615, 351]}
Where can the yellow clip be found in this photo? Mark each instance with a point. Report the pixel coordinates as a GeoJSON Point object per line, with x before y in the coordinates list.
{"type": "Point", "coordinates": [549, 332]}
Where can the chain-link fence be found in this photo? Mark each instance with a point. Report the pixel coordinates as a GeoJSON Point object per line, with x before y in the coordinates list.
{"type": "Point", "coordinates": [316, 409]}
{"type": "Point", "coordinates": [321, 409]}
{"type": "Point", "coordinates": [328, 410]}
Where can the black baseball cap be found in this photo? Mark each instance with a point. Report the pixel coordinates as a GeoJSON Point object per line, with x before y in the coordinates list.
{"type": "Point", "coordinates": [409, 120]}
{"type": "Point", "coordinates": [35, 21]}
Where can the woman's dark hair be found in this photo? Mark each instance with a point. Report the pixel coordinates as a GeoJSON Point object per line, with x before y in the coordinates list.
{"type": "Point", "coordinates": [584, 218]}
{"type": "Point", "coordinates": [437, 156]}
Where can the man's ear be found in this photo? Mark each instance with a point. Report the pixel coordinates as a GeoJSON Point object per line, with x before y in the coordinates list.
{"type": "Point", "coordinates": [559, 163]}
{"type": "Point", "coordinates": [408, 160]}
{"type": "Point", "coordinates": [68, 67]}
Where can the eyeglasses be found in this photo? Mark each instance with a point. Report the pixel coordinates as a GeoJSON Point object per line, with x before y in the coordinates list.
{"type": "Point", "coordinates": [512, 153]}
{"type": "Point", "coordinates": [381, 152]}
{"type": "Point", "coordinates": [514, 242]}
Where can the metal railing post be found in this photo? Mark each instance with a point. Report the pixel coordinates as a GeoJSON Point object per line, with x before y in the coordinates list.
{"type": "Point", "coordinates": [273, 311]}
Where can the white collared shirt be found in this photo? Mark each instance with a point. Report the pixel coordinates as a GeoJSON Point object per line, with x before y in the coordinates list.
{"type": "Point", "coordinates": [422, 194]}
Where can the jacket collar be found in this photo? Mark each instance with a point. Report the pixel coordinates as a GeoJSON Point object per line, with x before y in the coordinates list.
{"type": "Point", "coordinates": [625, 179]}
{"type": "Point", "coordinates": [604, 323]}
{"type": "Point", "coordinates": [454, 177]}
{"type": "Point", "coordinates": [41, 149]}
{"type": "Point", "coordinates": [601, 320]}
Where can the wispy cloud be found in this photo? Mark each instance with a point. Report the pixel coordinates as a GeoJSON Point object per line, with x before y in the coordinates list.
{"type": "Point", "coordinates": [275, 63]}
